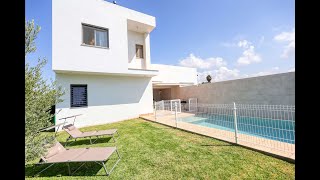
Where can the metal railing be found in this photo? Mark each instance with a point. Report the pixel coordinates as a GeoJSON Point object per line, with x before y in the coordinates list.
{"type": "Point", "coordinates": [166, 107]}
{"type": "Point", "coordinates": [192, 104]}
{"type": "Point", "coordinates": [267, 126]}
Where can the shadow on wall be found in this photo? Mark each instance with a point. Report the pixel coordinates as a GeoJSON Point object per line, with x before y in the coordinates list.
{"type": "Point", "coordinates": [162, 94]}
{"type": "Point", "coordinates": [105, 90]}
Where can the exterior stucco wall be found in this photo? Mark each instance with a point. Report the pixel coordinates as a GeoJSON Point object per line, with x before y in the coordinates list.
{"type": "Point", "coordinates": [270, 89]}
{"type": "Point", "coordinates": [67, 51]}
{"type": "Point", "coordinates": [110, 98]}
{"type": "Point", "coordinates": [133, 39]}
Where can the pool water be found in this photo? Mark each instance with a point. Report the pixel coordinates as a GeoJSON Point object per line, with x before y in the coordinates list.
{"type": "Point", "coordinates": [275, 129]}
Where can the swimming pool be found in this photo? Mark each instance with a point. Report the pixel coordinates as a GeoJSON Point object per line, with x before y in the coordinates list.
{"type": "Point", "coordinates": [275, 129]}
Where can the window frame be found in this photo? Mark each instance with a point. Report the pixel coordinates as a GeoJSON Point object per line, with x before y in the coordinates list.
{"type": "Point", "coordinates": [71, 98]}
{"type": "Point", "coordinates": [141, 50]}
{"type": "Point", "coordinates": [94, 30]}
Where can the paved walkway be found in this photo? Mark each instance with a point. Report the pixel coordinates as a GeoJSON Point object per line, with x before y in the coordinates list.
{"type": "Point", "coordinates": [282, 149]}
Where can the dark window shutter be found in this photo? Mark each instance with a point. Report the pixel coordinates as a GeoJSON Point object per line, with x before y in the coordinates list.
{"type": "Point", "coordinates": [79, 96]}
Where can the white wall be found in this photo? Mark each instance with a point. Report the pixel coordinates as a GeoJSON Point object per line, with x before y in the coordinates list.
{"type": "Point", "coordinates": [133, 39]}
{"type": "Point", "coordinates": [67, 51]}
{"type": "Point", "coordinates": [147, 50]}
{"type": "Point", "coordinates": [110, 98]}
{"type": "Point", "coordinates": [174, 74]}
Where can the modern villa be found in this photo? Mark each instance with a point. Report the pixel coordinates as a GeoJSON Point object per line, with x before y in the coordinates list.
{"type": "Point", "coordinates": [101, 58]}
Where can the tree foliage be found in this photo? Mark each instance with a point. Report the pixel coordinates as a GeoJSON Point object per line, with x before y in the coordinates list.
{"type": "Point", "coordinates": [31, 32]}
{"type": "Point", "coordinates": [40, 96]}
{"type": "Point", "coordinates": [209, 78]}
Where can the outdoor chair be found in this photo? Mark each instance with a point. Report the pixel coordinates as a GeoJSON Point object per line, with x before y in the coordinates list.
{"type": "Point", "coordinates": [58, 154]}
{"type": "Point", "coordinates": [75, 133]}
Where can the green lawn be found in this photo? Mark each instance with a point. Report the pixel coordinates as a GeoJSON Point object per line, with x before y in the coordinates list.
{"type": "Point", "coordinates": [152, 151]}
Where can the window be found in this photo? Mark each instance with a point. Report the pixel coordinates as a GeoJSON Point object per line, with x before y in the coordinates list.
{"type": "Point", "coordinates": [139, 51]}
{"type": "Point", "coordinates": [95, 36]}
{"type": "Point", "coordinates": [78, 95]}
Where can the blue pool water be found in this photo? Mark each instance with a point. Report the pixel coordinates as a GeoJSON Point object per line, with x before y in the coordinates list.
{"type": "Point", "coordinates": [280, 130]}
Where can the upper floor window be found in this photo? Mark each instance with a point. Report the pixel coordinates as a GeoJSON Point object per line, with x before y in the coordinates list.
{"type": "Point", "coordinates": [95, 36]}
{"type": "Point", "coordinates": [139, 51]}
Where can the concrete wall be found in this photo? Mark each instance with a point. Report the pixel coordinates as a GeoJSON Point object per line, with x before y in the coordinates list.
{"type": "Point", "coordinates": [270, 89]}
{"type": "Point", "coordinates": [110, 98]}
{"type": "Point", "coordinates": [133, 39]}
{"type": "Point", "coordinates": [68, 53]}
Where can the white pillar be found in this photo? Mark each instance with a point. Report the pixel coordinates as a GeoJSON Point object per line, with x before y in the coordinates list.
{"type": "Point", "coordinates": [147, 50]}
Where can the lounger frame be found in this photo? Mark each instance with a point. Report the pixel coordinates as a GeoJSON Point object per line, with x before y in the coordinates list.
{"type": "Point", "coordinates": [102, 163]}
{"type": "Point", "coordinates": [91, 142]}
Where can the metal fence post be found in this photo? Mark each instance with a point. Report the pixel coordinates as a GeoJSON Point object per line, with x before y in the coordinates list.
{"type": "Point", "coordinates": [155, 111]}
{"type": "Point", "coordinates": [235, 122]}
{"type": "Point", "coordinates": [196, 105]}
{"type": "Point", "coordinates": [175, 112]}
{"type": "Point", "coordinates": [162, 103]}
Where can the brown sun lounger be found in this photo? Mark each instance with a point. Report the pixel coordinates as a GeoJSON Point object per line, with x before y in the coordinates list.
{"type": "Point", "coordinates": [58, 154]}
{"type": "Point", "coordinates": [75, 133]}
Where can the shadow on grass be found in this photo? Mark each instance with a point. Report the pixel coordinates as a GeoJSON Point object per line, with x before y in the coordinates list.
{"type": "Point", "coordinates": [61, 169]}
{"type": "Point", "coordinates": [86, 141]}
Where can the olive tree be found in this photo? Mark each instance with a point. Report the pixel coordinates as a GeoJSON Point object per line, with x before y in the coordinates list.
{"type": "Point", "coordinates": [40, 96]}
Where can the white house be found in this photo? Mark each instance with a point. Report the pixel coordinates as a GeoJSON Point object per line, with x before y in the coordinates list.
{"type": "Point", "coordinates": [101, 58]}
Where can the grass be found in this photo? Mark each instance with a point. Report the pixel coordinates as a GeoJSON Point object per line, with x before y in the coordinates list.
{"type": "Point", "coordinates": [153, 151]}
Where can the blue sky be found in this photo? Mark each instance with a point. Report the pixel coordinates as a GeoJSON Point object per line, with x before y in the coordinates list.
{"type": "Point", "coordinates": [228, 39]}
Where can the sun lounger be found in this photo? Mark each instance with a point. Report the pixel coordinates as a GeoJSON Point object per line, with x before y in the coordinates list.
{"type": "Point", "coordinates": [75, 133]}
{"type": "Point", "coordinates": [58, 154]}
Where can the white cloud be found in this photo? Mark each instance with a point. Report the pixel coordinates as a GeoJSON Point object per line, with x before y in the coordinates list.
{"type": "Point", "coordinates": [292, 69]}
{"type": "Point", "coordinates": [220, 74]}
{"type": "Point", "coordinates": [289, 50]}
{"type": "Point", "coordinates": [288, 37]}
{"type": "Point", "coordinates": [216, 67]}
{"type": "Point", "coordinates": [273, 70]}
{"type": "Point", "coordinates": [249, 55]}
{"type": "Point", "coordinates": [223, 74]}
{"type": "Point", "coordinates": [285, 36]}
{"type": "Point", "coordinates": [244, 43]}
{"type": "Point", "coordinates": [197, 62]}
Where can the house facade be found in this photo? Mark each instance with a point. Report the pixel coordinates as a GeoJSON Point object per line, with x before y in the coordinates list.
{"type": "Point", "coordinates": [101, 59]}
